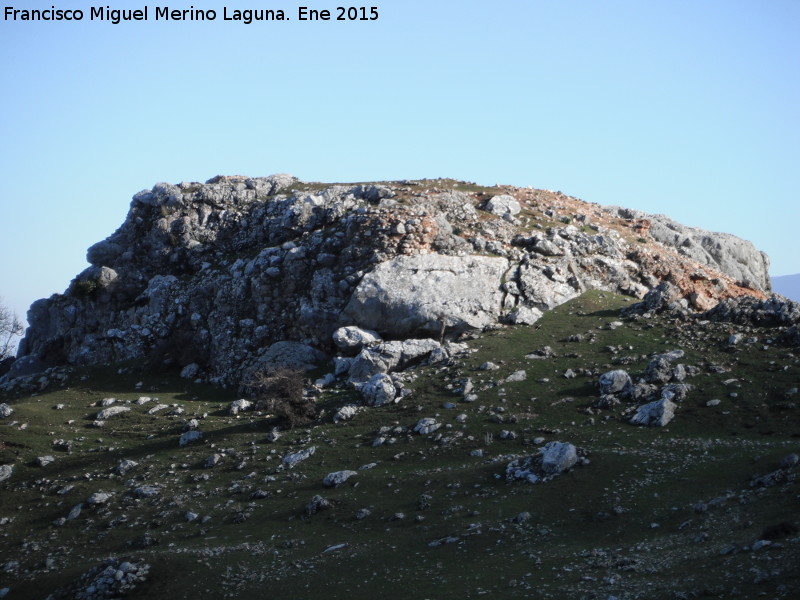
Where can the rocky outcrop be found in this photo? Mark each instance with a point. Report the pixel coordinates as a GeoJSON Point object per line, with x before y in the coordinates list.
{"type": "Point", "coordinates": [729, 254]}
{"type": "Point", "coordinates": [239, 275]}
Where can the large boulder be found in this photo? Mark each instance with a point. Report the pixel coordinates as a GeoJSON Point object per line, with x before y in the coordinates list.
{"type": "Point", "coordinates": [557, 457]}
{"type": "Point", "coordinates": [655, 414]}
{"type": "Point", "coordinates": [503, 206]}
{"type": "Point", "coordinates": [390, 356]}
{"type": "Point", "coordinates": [379, 390]}
{"type": "Point", "coordinates": [428, 292]}
{"type": "Point", "coordinates": [353, 339]}
{"type": "Point", "coordinates": [616, 382]}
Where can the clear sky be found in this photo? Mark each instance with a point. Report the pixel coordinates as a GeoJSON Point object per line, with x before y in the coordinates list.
{"type": "Point", "coordinates": [687, 108]}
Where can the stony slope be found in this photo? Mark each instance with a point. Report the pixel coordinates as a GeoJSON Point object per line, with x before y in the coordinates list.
{"type": "Point", "coordinates": [211, 276]}
{"type": "Point", "coordinates": [512, 467]}
{"type": "Point", "coordinates": [509, 424]}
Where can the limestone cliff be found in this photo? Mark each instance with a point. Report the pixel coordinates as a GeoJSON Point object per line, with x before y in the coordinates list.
{"type": "Point", "coordinates": [214, 275]}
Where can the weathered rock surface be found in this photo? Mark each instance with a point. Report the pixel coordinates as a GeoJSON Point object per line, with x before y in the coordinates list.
{"type": "Point", "coordinates": [111, 411]}
{"type": "Point", "coordinates": [353, 339]}
{"type": "Point", "coordinates": [557, 457]}
{"type": "Point", "coordinates": [655, 414]}
{"type": "Point", "coordinates": [616, 382]}
{"type": "Point", "coordinates": [429, 293]}
{"type": "Point", "coordinates": [379, 390]}
{"type": "Point", "coordinates": [728, 253]}
{"type": "Point", "coordinates": [241, 275]}
{"type": "Point", "coordinates": [337, 478]}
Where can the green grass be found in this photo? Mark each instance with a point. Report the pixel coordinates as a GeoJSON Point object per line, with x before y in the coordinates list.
{"type": "Point", "coordinates": [589, 534]}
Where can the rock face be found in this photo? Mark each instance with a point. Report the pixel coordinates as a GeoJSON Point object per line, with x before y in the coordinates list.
{"type": "Point", "coordinates": [728, 253]}
{"type": "Point", "coordinates": [427, 293]}
{"type": "Point", "coordinates": [241, 275]}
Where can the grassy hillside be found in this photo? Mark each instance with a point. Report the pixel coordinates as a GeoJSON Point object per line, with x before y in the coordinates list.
{"type": "Point", "coordinates": [667, 512]}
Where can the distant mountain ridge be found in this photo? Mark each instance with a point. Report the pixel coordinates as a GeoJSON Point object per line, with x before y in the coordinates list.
{"type": "Point", "coordinates": [788, 285]}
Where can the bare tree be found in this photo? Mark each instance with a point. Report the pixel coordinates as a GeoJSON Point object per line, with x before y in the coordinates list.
{"type": "Point", "coordinates": [10, 329]}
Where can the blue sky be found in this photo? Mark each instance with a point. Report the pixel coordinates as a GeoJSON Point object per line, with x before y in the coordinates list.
{"type": "Point", "coordinates": [684, 108]}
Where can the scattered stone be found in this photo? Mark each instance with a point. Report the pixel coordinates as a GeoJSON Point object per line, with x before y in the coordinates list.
{"type": "Point", "coordinates": [147, 491]}
{"type": "Point", "coordinates": [291, 460]}
{"type": "Point", "coordinates": [353, 338]}
{"type": "Point", "coordinates": [190, 437]}
{"type": "Point", "coordinates": [6, 471]}
{"type": "Point", "coordinates": [337, 478]}
{"type": "Point", "coordinates": [212, 461]}
{"type": "Point", "coordinates": [516, 376]}
{"type": "Point", "coordinates": [379, 390]}
{"type": "Point", "coordinates": [317, 504]}
{"type": "Point", "coordinates": [240, 405]}
{"type": "Point", "coordinates": [616, 382]}
{"type": "Point", "coordinates": [98, 499]}
{"type": "Point", "coordinates": [43, 461]}
{"type": "Point", "coordinates": [557, 457]}
{"type": "Point", "coordinates": [111, 579]}
{"type": "Point", "coordinates": [426, 425]}
{"type": "Point", "coordinates": [655, 414]}
{"type": "Point", "coordinates": [126, 465]}
{"type": "Point", "coordinates": [5, 411]}
{"type": "Point", "coordinates": [346, 412]}
{"type": "Point", "coordinates": [111, 411]}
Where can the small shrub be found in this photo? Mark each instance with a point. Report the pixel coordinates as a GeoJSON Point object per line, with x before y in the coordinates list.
{"type": "Point", "coordinates": [566, 220]}
{"type": "Point", "coordinates": [280, 392]}
{"type": "Point", "coordinates": [86, 288]}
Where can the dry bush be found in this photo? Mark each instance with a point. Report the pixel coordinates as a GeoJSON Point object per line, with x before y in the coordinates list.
{"type": "Point", "coordinates": [280, 392]}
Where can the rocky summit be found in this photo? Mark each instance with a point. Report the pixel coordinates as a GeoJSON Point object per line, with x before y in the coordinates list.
{"type": "Point", "coordinates": [420, 389]}
{"type": "Point", "coordinates": [211, 276]}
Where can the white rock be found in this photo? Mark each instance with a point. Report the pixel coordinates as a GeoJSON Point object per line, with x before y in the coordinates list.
{"type": "Point", "coordinates": [503, 205]}
{"type": "Point", "coordinates": [240, 405]}
{"type": "Point", "coordinates": [290, 460]}
{"type": "Point", "coordinates": [111, 411]}
{"type": "Point", "coordinates": [557, 457]}
{"type": "Point", "coordinates": [410, 294]}
{"type": "Point", "coordinates": [345, 413]}
{"type": "Point", "coordinates": [126, 465]}
{"type": "Point", "coordinates": [655, 414]}
{"type": "Point", "coordinates": [517, 376]}
{"type": "Point", "coordinates": [426, 425]}
{"type": "Point", "coordinates": [379, 390]}
{"type": "Point", "coordinates": [5, 410]}
{"type": "Point", "coordinates": [352, 338]}
{"type": "Point", "coordinates": [337, 478]}
{"type": "Point", "coordinates": [616, 382]}
{"type": "Point", "coordinates": [98, 498]}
